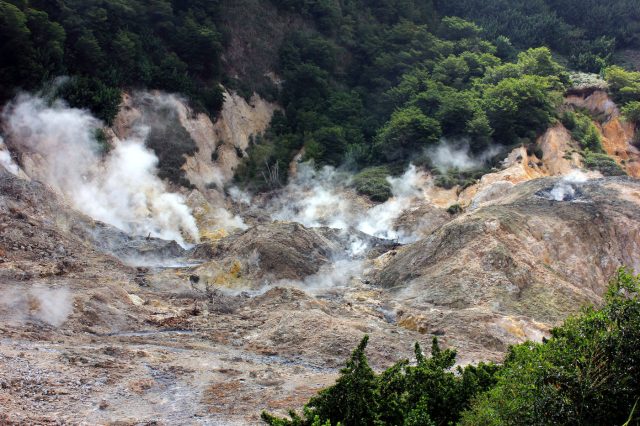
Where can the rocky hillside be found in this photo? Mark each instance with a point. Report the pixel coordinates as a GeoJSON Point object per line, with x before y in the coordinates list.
{"type": "Point", "coordinates": [262, 313]}
{"type": "Point", "coordinates": [204, 206]}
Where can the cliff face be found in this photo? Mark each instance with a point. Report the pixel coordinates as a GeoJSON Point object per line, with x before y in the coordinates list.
{"type": "Point", "coordinates": [218, 147]}
{"type": "Point", "coordinates": [617, 135]}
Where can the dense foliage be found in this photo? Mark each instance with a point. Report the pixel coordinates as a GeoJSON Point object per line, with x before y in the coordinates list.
{"type": "Point", "coordinates": [586, 31]}
{"type": "Point", "coordinates": [587, 372]}
{"type": "Point", "coordinates": [365, 83]}
{"type": "Point", "coordinates": [375, 89]}
{"type": "Point", "coordinates": [106, 45]}
{"type": "Point", "coordinates": [430, 393]}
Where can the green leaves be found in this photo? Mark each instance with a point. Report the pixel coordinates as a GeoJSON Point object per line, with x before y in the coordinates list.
{"type": "Point", "coordinates": [631, 112]}
{"type": "Point", "coordinates": [373, 182]}
{"type": "Point", "coordinates": [586, 373]}
{"type": "Point", "coordinates": [521, 107]}
{"type": "Point", "coordinates": [114, 44]}
{"type": "Point", "coordinates": [429, 393]}
{"type": "Point", "coordinates": [583, 130]}
{"type": "Point", "coordinates": [353, 400]}
{"type": "Point", "coordinates": [625, 85]}
{"type": "Point", "coordinates": [408, 131]}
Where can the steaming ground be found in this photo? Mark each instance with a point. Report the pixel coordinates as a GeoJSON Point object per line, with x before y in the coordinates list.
{"type": "Point", "coordinates": [101, 324]}
{"type": "Point", "coordinates": [316, 198]}
{"type": "Point", "coordinates": [121, 189]}
{"type": "Point", "coordinates": [457, 155]}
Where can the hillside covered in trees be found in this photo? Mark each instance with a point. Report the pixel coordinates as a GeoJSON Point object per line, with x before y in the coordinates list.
{"type": "Point", "coordinates": [364, 83]}
{"type": "Point", "coordinates": [249, 287]}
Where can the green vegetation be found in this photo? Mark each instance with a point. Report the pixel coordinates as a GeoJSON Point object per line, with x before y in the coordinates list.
{"type": "Point", "coordinates": [587, 32]}
{"type": "Point", "coordinates": [602, 163]}
{"type": "Point", "coordinates": [624, 85]}
{"type": "Point", "coordinates": [631, 112]}
{"type": "Point", "coordinates": [398, 84]}
{"type": "Point", "coordinates": [452, 177]}
{"type": "Point", "coordinates": [583, 130]}
{"type": "Point", "coordinates": [365, 83]}
{"type": "Point", "coordinates": [587, 372]}
{"type": "Point", "coordinates": [373, 183]}
{"type": "Point", "coordinates": [430, 393]}
{"type": "Point", "coordinates": [108, 45]}
{"type": "Point", "coordinates": [455, 209]}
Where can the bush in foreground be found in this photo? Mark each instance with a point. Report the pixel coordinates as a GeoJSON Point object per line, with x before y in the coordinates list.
{"type": "Point", "coordinates": [587, 372]}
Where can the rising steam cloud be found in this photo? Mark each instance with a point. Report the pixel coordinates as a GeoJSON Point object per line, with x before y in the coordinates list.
{"type": "Point", "coordinates": [121, 189]}
{"type": "Point", "coordinates": [457, 155]}
{"type": "Point", "coordinates": [51, 306]}
{"type": "Point", "coordinates": [566, 188]}
{"type": "Point", "coordinates": [317, 198]}
{"type": "Point", "coordinates": [6, 161]}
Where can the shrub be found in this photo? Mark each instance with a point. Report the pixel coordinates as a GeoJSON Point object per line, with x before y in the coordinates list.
{"type": "Point", "coordinates": [430, 393]}
{"type": "Point", "coordinates": [86, 92]}
{"type": "Point", "coordinates": [407, 131]}
{"type": "Point", "coordinates": [624, 85]}
{"type": "Point", "coordinates": [602, 163]}
{"type": "Point", "coordinates": [631, 112]}
{"type": "Point", "coordinates": [587, 372]}
{"type": "Point", "coordinates": [583, 130]}
{"type": "Point", "coordinates": [373, 183]}
{"type": "Point", "coordinates": [521, 107]}
{"type": "Point", "coordinates": [455, 209]}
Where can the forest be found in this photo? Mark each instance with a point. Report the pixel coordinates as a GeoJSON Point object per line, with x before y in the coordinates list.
{"type": "Point", "coordinates": [367, 84]}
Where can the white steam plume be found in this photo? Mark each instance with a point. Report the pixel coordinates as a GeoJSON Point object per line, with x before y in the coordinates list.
{"type": "Point", "coordinates": [317, 198]}
{"type": "Point", "coordinates": [6, 161]}
{"type": "Point", "coordinates": [565, 189]}
{"type": "Point", "coordinates": [406, 189]}
{"type": "Point", "coordinates": [122, 189]}
{"type": "Point", "coordinates": [331, 275]}
{"type": "Point", "coordinates": [52, 306]}
{"type": "Point", "coordinates": [457, 155]}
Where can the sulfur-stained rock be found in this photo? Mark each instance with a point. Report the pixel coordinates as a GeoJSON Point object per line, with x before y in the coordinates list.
{"type": "Point", "coordinates": [525, 255]}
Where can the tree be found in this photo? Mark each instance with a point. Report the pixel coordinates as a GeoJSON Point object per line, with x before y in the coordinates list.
{"type": "Point", "coordinates": [624, 85]}
{"type": "Point", "coordinates": [408, 131]}
{"type": "Point", "coordinates": [521, 107]}
{"type": "Point", "coordinates": [540, 62]}
{"type": "Point", "coordinates": [17, 65]}
{"type": "Point", "coordinates": [588, 372]}
{"type": "Point", "coordinates": [353, 399]}
{"type": "Point", "coordinates": [631, 112]}
{"type": "Point", "coordinates": [327, 146]}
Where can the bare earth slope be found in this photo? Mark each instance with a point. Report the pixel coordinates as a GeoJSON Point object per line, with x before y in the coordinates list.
{"type": "Point", "coordinates": [512, 268]}
{"type": "Point", "coordinates": [87, 339]}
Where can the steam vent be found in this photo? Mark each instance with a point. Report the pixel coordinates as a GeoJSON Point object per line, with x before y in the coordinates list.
{"type": "Point", "coordinates": [320, 212]}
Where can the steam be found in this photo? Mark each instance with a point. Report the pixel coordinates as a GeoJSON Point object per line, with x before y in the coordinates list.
{"type": "Point", "coordinates": [565, 189]}
{"type": "Point", "coordinates": [331, 275]}
{"type": "Point", "coordinates": [52, 306]}
{"type": "Point", "coordinates": [239, 196]}
{"type": "Point", "coordinates": [457, 155]}
{"type": "Point", "coordinates": [380, 220]}
{"type": "Point", "coordinates": [6, 161]}
{"type": "Point", "coordinates": [316, 198]}
{"type": "Point", "coordinates": [121, 189]}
